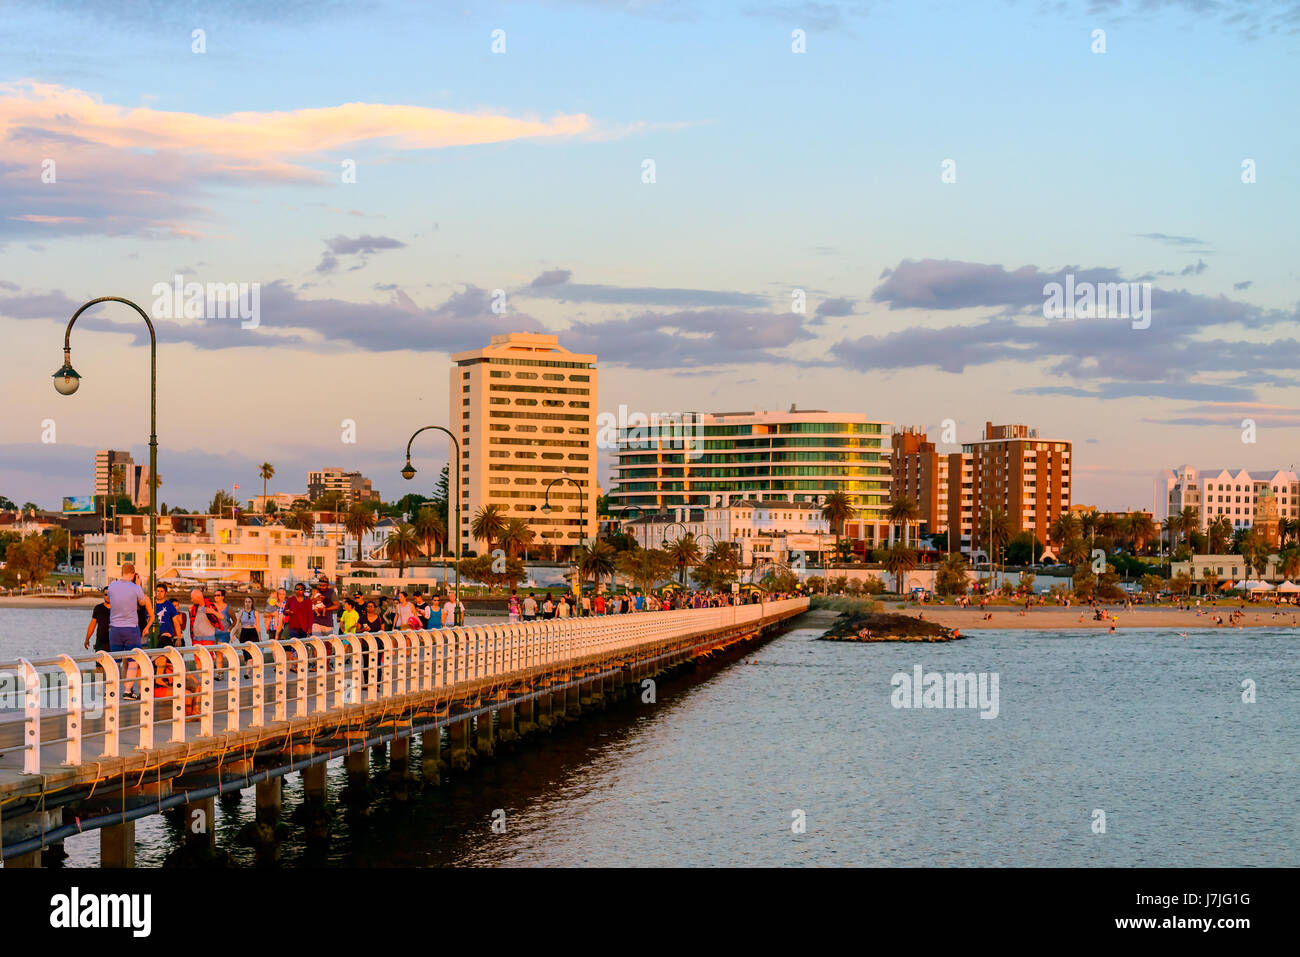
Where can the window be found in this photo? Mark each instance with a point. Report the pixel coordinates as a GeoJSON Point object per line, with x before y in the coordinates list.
{"type": "Point", "coordinates": [286, 561]}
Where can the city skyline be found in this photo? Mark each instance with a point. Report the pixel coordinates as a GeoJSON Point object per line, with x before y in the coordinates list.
{"type": "Point", "coordinates": [776, 173]}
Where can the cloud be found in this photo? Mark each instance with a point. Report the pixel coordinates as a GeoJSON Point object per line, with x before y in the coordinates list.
{"type": "Point", "coordinates": [835, 307]}
{"type": "Point", "coordinates": [361, 246]}
{"type": "Point", "coordinates": [809, 14]}
{"type": "Point", "coordinates": [1241, 286]}
{"type": "Point", "coordinates": [949, 284]}
{"type": "Point", "coordinates": [701, 338]}
{"type": "Point", "coordinates": [1195, 270]}
{"type": "Point", "coordinates": [641, 295]}
{"type": "Point", "coordinates": [552, 277]}
{"type": "Point", "coordinates": [1172, 240]}
{"type": "Point", "coordinates": [141, 170]}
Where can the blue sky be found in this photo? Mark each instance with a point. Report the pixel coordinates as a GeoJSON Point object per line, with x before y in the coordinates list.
{"type": "Point", "coordinates": [774, 171]}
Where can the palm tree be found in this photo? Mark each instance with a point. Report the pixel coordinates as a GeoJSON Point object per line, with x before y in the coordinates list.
{"type": "Point", "coordinates": [596, 560]}
{"type": "Point", "coordinates": [1286, 529]}
{"type": "Point", "coordinates": [359, 520]}
{"type": "Point", "coordinates": [1289, 562]}
{"type": "Point", "coordinates": [402, 546]}
{"type": "Point", "coordinates": [267, 471]}
{"type": "Point", "coordinates": [299, 520]}
{"type": "Point", "coordinates": [1220, 534]}
{"type": "Point", "coordinates": [903, 511]}
{"type": "Point", "coordinates": [1211, 580]}
{"type": "Point", "coordinates": [685, 551]}
{"type": "Point", "coordinates": [1075, 551]}
{"type": "Point", "coordinates": [1063, 528]}
{"type": "Point", "coordinates": [1142, 528]}
{"type": "Point", "coordinates": [995, 531]}
{"type": "Point", "coordinates": [837, 509]}
{"type": "Point", "coordinates": [1188, 521]}
{"type": "Point", "coordinates": [432, 530]}
{"type": "Point", "coordinates": [516, 537]}
{"type": "Point", "coordinates": [1088, 523]}
{"type": "Point", "coordinates": [900, 560]}
{"type": "Point", "coordinates": [489, 522]}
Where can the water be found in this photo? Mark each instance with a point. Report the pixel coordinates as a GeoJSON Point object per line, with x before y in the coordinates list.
{"type": "Point", "coordinates": [1144, 725]}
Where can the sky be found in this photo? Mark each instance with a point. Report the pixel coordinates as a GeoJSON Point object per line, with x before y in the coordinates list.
{"type": "Point", "coordinates": [657, 183]}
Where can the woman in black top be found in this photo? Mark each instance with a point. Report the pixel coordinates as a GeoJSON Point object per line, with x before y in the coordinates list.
{"type": "Point", "coordinates": [370, 623]}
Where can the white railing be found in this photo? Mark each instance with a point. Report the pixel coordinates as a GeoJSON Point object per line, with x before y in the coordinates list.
{"type": "Point", "coordinates": [215, 689]}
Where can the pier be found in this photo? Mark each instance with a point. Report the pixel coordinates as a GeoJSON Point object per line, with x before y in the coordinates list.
{"type": "Point", "coordinates": [76, 754]}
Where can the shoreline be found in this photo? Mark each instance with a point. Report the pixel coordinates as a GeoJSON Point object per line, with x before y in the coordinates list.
{"type": "Point", "coordinates": [1067, 619]}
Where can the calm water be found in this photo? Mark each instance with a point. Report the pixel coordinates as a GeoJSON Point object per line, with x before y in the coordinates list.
{"type": "Point", "coordinates": [1147, 726]}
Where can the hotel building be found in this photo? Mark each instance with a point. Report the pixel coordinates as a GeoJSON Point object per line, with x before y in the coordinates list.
{"type": "Point", "coordinates": [527, 417]}
{"type": "Point", "coordinates": [797, 456]}
{"type": "Point", "coordinates": [1014, 469]}
{"type": "Point", "coordinates": [1233, 494]}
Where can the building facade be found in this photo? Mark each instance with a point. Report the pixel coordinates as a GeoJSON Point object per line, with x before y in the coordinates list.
{"type": "Point", "coordinates": [796, 456]}
{"type": "Point", "coordinates": [353, 486]}
{"type": "Point", "coordinates": [774, 531]}
{"type": "Point", "coordinates": [1231, 493]}
{"type": "Point", "coordinates": [1015, 470]}
{"type": "Point", "coordinates": [117, 476]}
{"type": "Point", "coordinates": [527, 419]}
{"type": "Point", "coordinates": [920, 472]}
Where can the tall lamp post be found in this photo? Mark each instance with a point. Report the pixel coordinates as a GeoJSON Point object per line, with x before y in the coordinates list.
{"type": "Point", "coordinates": [582, 511]}
{"type": "Point", "coordinates": [625, 508]}
{"type": "Point", "coordinates": [66, 382]}
{"type": "Point", "coordinates": [408, 473]}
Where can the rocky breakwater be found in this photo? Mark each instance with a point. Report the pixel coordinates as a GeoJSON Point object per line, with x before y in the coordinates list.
{"type": "Point", "coordinates": [879, 626]}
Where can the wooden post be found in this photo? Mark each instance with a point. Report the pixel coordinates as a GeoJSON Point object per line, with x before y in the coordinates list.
{"type": "Point", "coordinates": [117, 845]}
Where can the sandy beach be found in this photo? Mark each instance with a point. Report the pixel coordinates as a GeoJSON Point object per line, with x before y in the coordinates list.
{"type": "Point", "coordinates": [1140, 617]}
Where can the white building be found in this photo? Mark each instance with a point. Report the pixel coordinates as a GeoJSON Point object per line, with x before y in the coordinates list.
{"type": "Point", "coordinates": [770, 531]}
{"type": "Point", "coordinates": [1215, 492]}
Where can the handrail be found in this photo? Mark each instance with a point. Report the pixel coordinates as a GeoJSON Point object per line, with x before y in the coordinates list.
{"type": "Point", "coordinates": [183, 691]}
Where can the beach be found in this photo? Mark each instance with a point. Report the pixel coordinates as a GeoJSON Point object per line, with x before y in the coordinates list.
{"type": "Point", "coordinates": [1054, 617]}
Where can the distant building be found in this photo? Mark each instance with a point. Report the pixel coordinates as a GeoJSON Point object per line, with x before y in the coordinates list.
{"type": "Point", "coordinates": [920, 472]}
{"type": "Point", "coordinates": [1233, 494]}
{"type": "Point", "coordinates": [117, 476]}
{"type": "Point", "coordinates": [527, 414]}
{"type": "Point", "coordinates": [283, 501]}
{"type": "Point", "coordinates": [353, 486]}
{"type": "Point", "coordinates": [1015, 470]}
{"type": "Point", "coordinates": [780, 531]}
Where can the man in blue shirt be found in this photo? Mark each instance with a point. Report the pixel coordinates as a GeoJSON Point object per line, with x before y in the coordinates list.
{"type": "Point", "coordinates": [170, 619]}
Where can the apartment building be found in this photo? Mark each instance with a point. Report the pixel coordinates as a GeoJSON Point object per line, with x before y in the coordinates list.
{"type": "Point", "coordinates": [1016, 470]}
{"type": "Point", "coordinates": [117, 476]}
{"type": "Point", "coordinates": [527, 419]}
{"type": "Point", "coordinates": [801, 455]}
{"type": "Point", "coordinates": [920, 472]}
{"type": "Point", "coordinates": [1232, 493]}
{"type": "Point", "coordinates": [353, 486]}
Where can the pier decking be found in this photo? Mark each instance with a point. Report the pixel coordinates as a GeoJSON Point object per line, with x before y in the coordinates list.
{"type": "Point", "coordinates": [76, 754]}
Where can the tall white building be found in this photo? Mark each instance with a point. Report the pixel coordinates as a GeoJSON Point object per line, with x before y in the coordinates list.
{"type": "Point", "coordinates": [527, 417]}
{"type": "Point", "coordinates": [1226, 492]}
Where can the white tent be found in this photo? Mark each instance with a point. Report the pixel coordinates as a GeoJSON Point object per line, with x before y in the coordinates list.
{"type": "Point", "coordinates": [1288, 587]}
{"type": "Point", "coordinates": [1259, 586]}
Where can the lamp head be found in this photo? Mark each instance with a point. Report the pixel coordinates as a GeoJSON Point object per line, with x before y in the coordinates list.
{"type": "Point", "coordinates": [66, 379]}
{"type": "Point", "coordinates": [408, 471]}
{"type": "Point", "coordinates": [546, 509]}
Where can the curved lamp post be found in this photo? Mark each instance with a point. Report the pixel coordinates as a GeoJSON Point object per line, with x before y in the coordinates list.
{"type": "Point", "coordinates": [66, 382]}
{"type": "Point", "coordinates": [620, 512]}
{"type": "Point", "coordinates": [582, 510]}
{"type": "Point", "coordinates": [408, 473]}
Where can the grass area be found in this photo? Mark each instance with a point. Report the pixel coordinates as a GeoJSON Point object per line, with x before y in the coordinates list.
{"type": "Point", "coordinates": [856, 606]}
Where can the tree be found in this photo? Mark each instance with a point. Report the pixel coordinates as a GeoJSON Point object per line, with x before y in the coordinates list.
{"type": "Point", "coordinates": [221, 502]}
{"type": "Point", "coordinates": [836, 510]}
{"type": "Point", "coordinates": [1289, 561]}
{"type": "Point", "coordinates": [7, 504]}
{"type": "Point", "coordinates": [267, 471]}
{"type": "Point", "coordinates": [495, 572]}
{"type": "Point", "coordinates": [1024, 549]}
{"type": "Point", "coordinates": [995, 531]}
{"type": "Point", "coordinates": [1084, 582]}
{"type": "Point", "coordinates": [516, 537]}
{"type": "Point", "coordinates": [1211, 578]}
{"type": "Point", "coordinates": [1220, 534]}
{"type": "Point", "coordinates": [951, 579]}
{"type": "Point", "coordinates": [28, 561]}
{"type": "Point", "coordinates": [597, 560]}
{"type": "Point", "coordinates": [402, 546]}
{"type": "Point", "coordinates": [489, 522]}
{"type": "Point", "coordinates": [1186, 522]}
{"type": "Point", "coordinates": [431, 529]}
{"type": "Point", "coordinates": [1151, 584]}
{"type": "Point", "coordinates": [900, 560]}
{"type": "Point", "coordinates": [1063, 528]}
{"type": "Point", "coordinates": [719, 569]}
{"type": "Point", "coordinates": [300, 519]}
{"type": "Point", "coordinates": [685, 552]}
{"type": "Point", "coordinates": [1181, 583]}
{"type": "Point", "coordinates": [903, 511]}
{"type": "Point", "coordinates": [646, 567]}
{"type": "Point", "coordinates": [1141, 529]}
{"type": "Point", "coordinates": [329, 501]}
{"type": "Point", "coordinates": [1075, 552]}
{"type": "Point", "coordinates": [359, 520]}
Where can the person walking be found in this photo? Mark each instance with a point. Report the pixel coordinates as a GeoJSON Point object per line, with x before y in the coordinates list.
{"type": "Point", "coordinates": [323, 611]}
{"type": "Point", "coordinates": [530, 607]}
{"type": "Point", "coordinates": [227, 616]}
{"type": "Point", "coordinates": [205, 620]}
{"type": "Point", "coordinates": [404, 616]}
{"type": "Point", "coordinates": [98, 626]}
{"type": "Point", "coordinates": [513, 608]}
{"type": "Point", "coordinates": [250, 622]}
{"type": "Point", "coordinates": [273, 616]}
{"type": "Point", "coordinates": [169, 619]}
{"type": "Point", "coordinates": [298, 613]}
{"type": "Point", "coordinates": [125, 598]}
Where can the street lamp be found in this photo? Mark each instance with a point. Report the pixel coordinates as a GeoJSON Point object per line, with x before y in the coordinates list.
{"type": "Point", "coordinates": [620, 512]}
{"type": "Point", "coordinates": [66, 382]}
{"type": "Point", "coordinates": [582, 511]}
{"type": "Point", "coordinates": [408, 473]}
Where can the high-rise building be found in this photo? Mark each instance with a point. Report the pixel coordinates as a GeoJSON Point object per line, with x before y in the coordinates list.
{"type": "Point", "coordinates": [1232, 493]}
{"type": "Point", "coordinates": [527, 417]}
{"type": "Point", "coordinates": [961, 501]}
{"type": "Point", "coordinates": [1015, 470]}
{"type": "Point", "coordinates": [353, 486]}
{"type": "Point", "coordinates": [117, 476]}
{"type": "Point", "coordinates": [797, 456]}
{"type": "Point", "coordinates": [920, 472]}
